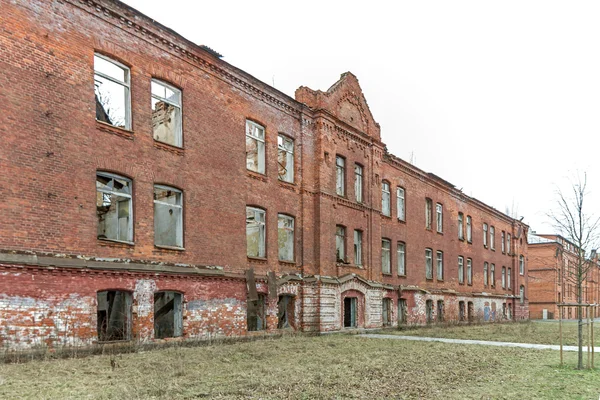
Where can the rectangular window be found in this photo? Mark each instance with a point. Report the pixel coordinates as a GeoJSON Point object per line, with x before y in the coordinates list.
{"type": "Point", "coordinates": [285, 158]}
{"type": "Point", "coordinates": [114, 207]}
{"type": "Point", "coordinates": [358, 183]}
{"type": "Point", "coordinates": [461, 270]}
{"type": "Point", "coordinates": [439, 217]}
{"type": "Point", "coordinates": [285, 237]}
{"type": "Point", "coordinates": [440, 266]}
{"type": "Point", "coordinates": [168, 216]}
{"type": "Point", "coordinates": [255, 232]}
{"type": "Point", "coordinates": [340, 243]}
{"type": "Point", "coordinates": [114, 315]}
{"type": "Point", "coordinates": [508, 278]}
{"type": "Point", "coordinates": [521, 265]}
{"type": "Point", "coordinates": [493, 275]}
{"type": "Point", "coordinates": [255, 147]}
{"type": "Point", "coordinates": [492, 238]}
{"type": "Point", "coordinates": [111, 88]}
{"type": "Point", "coordinates": [401, 256]}
{"type": "Point", "coordinates": [469, 271]}
{"type": "Point", "coordinates": [469, 230]}
{"type": "Point", "coordinates": [166, 113]}
{"type": "Point", "coordinates": [400, 204]}
{"type": "Point", "coordinates": [485, 235]}
{"type": "Point", "coordinates": [428, 264]}
{"type": "Point", "coordinates": [461, 232]}
{"type": "Point", "coordinates": [503, 245]}
{"type": "Point", "coordinates": [428, 213]}
{"type": "Point", "coordinates": [508, 243]}
{"type": "Point", "coordinates": [440, 310]}
{"type": "Point", "coordinates": [358, 247]}
{"type": "Point", "coordinates": [485, 274]}
{"type": "Point", "coordinates": [340, 176]}
{"type": "Point", "coordinates": [503, 277]}
{"type": "Point", "coordinates": [385, 199]}
{"type": "Point", "coordinates": [386, 256]}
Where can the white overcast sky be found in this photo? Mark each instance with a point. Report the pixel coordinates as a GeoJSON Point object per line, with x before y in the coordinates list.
{"type": "Point", "coordinates": [500, 98]}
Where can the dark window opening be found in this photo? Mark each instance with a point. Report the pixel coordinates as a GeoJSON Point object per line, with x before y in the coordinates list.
{"type": "Point", "coordinates": [440, 310]}
{"type": "Point", "coordinates": [350, 304]}
{"type": "Point", "coordinates": [470, 311]}
{"type": "Point", "coordinates": [114, 315]}
{"type": "Point", "coordinates": [257, 313]}
{"type": "Point", "coordinates": [168, 315]}
{"type": "Point", "coordinates": [285, 312]}
{"type": "Point", "coordinates": [401, 311]}
{"type": "Point", "coordinates": [461, 310]}
{"type": "Point", "coordinates": [429, 311]}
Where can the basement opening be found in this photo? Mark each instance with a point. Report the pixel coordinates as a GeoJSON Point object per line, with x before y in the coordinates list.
{"type": "Point", "coordinates": [114, 315]}
{"type": "Point", "coordinates": [350, 308]}
{"type": "Point", "coordinates": [285, 312]}
{"type": "Point", "coordinates": [401, 311]}
{"type": "Point", "coordinates": [429, 311]}
{"type": "Point", "coordinates": [440, 310]}
{"type": "Point", "coordinates": [168, 315]}
{"type": "Point", "coordinates": [387, 312]}
{"type": "Point", "coordinates": [461, 310]}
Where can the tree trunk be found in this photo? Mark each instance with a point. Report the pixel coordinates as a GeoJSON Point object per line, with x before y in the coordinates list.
{"type": "Point", "coordinates": [579, 326]}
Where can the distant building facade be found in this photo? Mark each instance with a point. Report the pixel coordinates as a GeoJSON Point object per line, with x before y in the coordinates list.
{"type": "Point", "coordinates": [152, 190]}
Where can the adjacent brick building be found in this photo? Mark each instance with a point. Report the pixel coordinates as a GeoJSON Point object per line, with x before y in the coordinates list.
{"type": "Point", "coordinates": [552, 277]}
{"type": "Point", "coordinates": [131, 155]}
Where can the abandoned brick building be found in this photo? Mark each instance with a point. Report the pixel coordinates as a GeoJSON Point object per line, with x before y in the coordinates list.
{"type": "Point", "coordinates": [152, 190]}
{"type": "Point", "coordinates": [553, 264]}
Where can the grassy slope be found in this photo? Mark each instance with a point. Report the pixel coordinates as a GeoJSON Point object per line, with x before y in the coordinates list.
{"type": "Point", "coordinates": [307, 368]}
{"type": "Point", "coordinates": [524, 332]}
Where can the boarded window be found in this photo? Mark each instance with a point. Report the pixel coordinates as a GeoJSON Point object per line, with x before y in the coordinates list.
{"type": "Point", "coordinates": [166, 113]}
{"type": "Point", "coordinates": [168, 315]}
{"type": "Point", "coordinates": [255, 147]}
{"type": "Point", "coordinates": [114, 315]}
{"type": "Point", "coordinates": [257, 320]}
{"type": "Point", "coordinates": [255, 232]}
{"type": "Point", "coordinates": [168, 216]}
{"type": "Point", "coordinates": [285, 312]}
{"type": "Point", "coordinates": [114, 207]}
{"type": "Point", "coordinates": [285, 158]}
{"type": "Point", "coordinates": [350, 312]}
{"type": "Point", "coordinates": [111, 88]}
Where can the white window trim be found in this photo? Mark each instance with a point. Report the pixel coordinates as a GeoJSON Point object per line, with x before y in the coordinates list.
{"type": "Point", "coordinates": [179, 232]}
{"type": "Point", "coordinates": [292, 230]}
{"type": "Point", "coordinates": [386, 193]}
{"type": "Point", "coordinates": [401, 257]}
{"type": "Point", "coordinates": [127, 84]}
{"type": "Point", "coordinates": [262, 140]}
{"type": "Point", "coordinates": [387, 271]}
{"type": "Point", "coordinates": [401, 203]}
{"type": "Point", "coordinates": [439, 217]}
{"type": "Point", "coordinates": [179, 133]}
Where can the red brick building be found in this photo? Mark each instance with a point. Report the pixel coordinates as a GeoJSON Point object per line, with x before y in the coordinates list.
{"type": "Point", "coordinates": [553, 277]}
{"type": "Point", "coordinates": [131, 155]}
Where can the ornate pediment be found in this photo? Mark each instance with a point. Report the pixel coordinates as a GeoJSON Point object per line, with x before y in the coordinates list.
{"type": "Point", "coordinates": [345, 101]}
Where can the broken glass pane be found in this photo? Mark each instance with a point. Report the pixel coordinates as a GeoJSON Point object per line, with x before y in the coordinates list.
{"type": "Point", "coordinates": [111, 102]}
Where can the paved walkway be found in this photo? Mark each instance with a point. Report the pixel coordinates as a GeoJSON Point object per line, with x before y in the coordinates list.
{"type": "Point", "coordinates": [480, 342]}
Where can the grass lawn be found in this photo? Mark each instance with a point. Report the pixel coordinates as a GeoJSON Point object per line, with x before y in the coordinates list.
{"type": "Point", "coordinates": [331, 367]}
{"type": "Point", "coordinates": [521, 332]}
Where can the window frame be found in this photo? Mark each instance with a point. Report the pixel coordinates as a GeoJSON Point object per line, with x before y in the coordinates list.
{"type": "Point", "coordinates": [439, 217]}
{"type": "Point", "coordinates": [508, 244]}
{"type": "Point", "coordinates": [521, 264]}
{"type": "Point", "coordinates": [401, 203]}
{"type": "Point", "coordinates": [179, 133]}
{"type": "Point", "coordinates": [358, 234]}
{"type": "Point", "coordinates": [493, 275]}
{"type": "Point", "coordinates": [386, 193]}
{"type": "Point", "coordinates": [342, 236]}
{"type": "Point", "coordinates": [401, 258]}
{"type": "Point", "coordinates": [340, 176]}
{"type": "Point", "coordinates": [428, 213]}
{"type": "Point", "coordinates": [439, 256]}
{"type": "Point", "coordinates": [485, 235]}
{"type": "Point", "coordinates": [492, 238]}
{"type": "Point", "coordinates": [280, 217]}
{"type": "Point", "coordinates": [461, 270]}
{"type": "Point", "coordinates": [503, 246]}
{"type": "Point", "coordinates": [428, 263]}
{"type": "Point", "coordinates": [262, 232]}
{"type": "Point", "coordinates": [281, 148]}
{"type": "Point", "coordinates": [461, 226]}
{"type": "Point", "coordinates": [180, 231]}
{"type": "Point", "coordinates": [130, 227]}
{"type": "Point", "coordinates": [358, 182]}
{"type": "Point", "coordinates": [126, 84]}
{"type": "Point", "coordinates": [469, 271]}
{"type": "Point", "coordinates": [469, 226]}
{"type": "Point", "coordinates": [486, 277]}
{"type": "Point", "coordinates": [508, 278]}
{"type": "Point", "coordinates": [386, 263]}
{"type": "Point", "coordinates": [262, 164]}
{"type": "Point", "coordinates": [503, 277]}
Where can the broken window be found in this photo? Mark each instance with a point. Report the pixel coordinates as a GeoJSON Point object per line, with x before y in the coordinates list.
{"type": "Point", "coordinates": [285, 237]}
{"type": "Point", "coordinates": [461, 234]}
{"type": "Point", "coordinates": [111, 88]}
{"type": "Point", "coordinates": [350, 312]}
{"type": "Point", "coordinates": [428, 264]}
{"type": "Point", "coordinates": [340, 243]}
{"type": "Point", "coordinates": [285, 311]}
{"type": "Point", "coordinates": [521, 264]}
{"type": "Point", "coordinates": [485, 235]}
{"type": "Point", "coordinates": [428, 213]}
{"type": "Point", "coordinates": [168, 216]}
{"type": "Point", "coordinates": [439, 217]}
{"type": "Point", "coordinates": [385, 199]}
{"type": "Point", "coordinates": [255, 147]}
{"type": "Point", "coordinates": [255, 232]}
{"type": "Point", "coordinates": [440, 310]}
{"type": "Point", "coordinates": [492, 275]}
{"type": "Point", "coordinates": [508, 243]}
{"type": "Point", "coordinates": [402, 311]}
{"type": "Point", "coordinates": [114, 207]}
{"type": "Point", "coordinates": [503, 244]}
{"type": "Point", "coordinates": [385, 256]}
{"type": "Point", "coordinates": [386, 308]}
{"type": "Point", "coordinates": [257, 313]}
{"type": "Point", "coordinates": [492, 238]}
{"type": "Point", "coordinates": [461, 310]}
{"type": "Point", "coordinates": [358, 247]}
{"type": "Point", "coordinates": [429, 311]}
{"type": "Point", "coordinates": [340, 176]}
{"type": "Point", "coordinates": [469, 229]}
{"type": "Point", "coordinates": [358, 183]}
{"type": "Point", "coordinates": [168, 315]}
{"type": "Point", "coordinates": [285, 158]}
{"type": "Point", "coordinates": [440, 265]}
{"type": "Point", "coordinates": [400, 203]}
{"type": "Point", "coordinates": [166, 113]}
{"type": "Point", "coordinates": [401, 256]}
{"type": "Point", "coordinates": [114, 315]}
{"type": "Point", "coordinates": [508, 278]}
{"type": "Point", "coordinates": [461, 270]}
{"type": "Point", "coordinates": [485, 274]}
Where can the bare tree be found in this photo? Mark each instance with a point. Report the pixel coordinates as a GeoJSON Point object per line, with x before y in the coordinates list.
{"type": "Point", "coordinates": [576, 223]}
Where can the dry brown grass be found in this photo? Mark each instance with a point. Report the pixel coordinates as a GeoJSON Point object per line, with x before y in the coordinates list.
{"type": "Point", "coordinates": [331, 367]}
